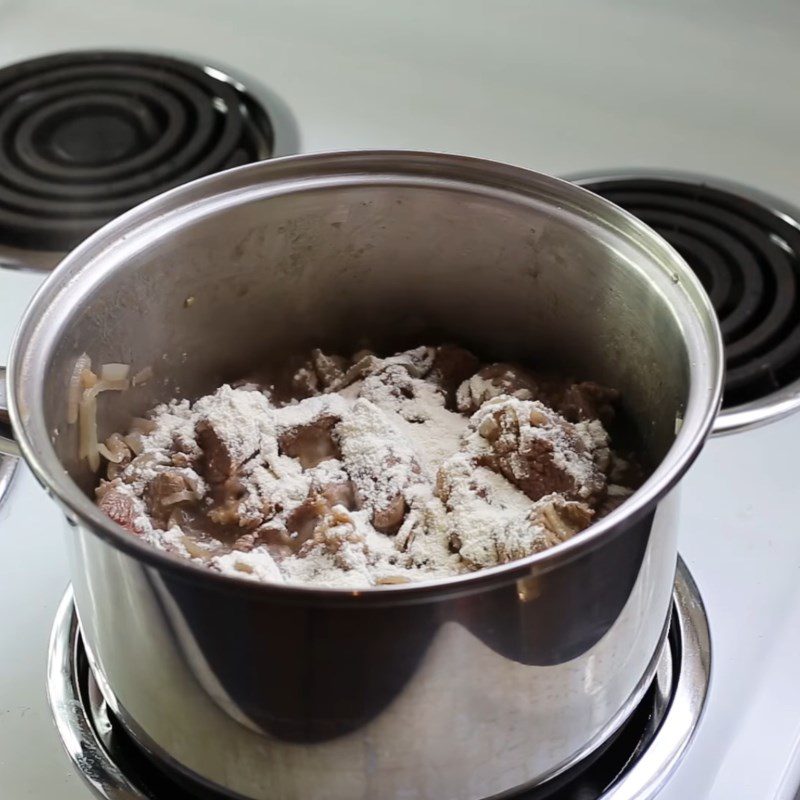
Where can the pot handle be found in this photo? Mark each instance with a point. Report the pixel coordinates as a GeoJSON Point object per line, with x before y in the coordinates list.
{"type": "Point", "coordinates": [8, 447]}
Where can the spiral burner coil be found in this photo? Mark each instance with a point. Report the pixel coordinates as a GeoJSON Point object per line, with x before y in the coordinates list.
{"type": "Point", "coordinates": [86, 136]}
{"type": "Point", "coordinates": [747, 255]}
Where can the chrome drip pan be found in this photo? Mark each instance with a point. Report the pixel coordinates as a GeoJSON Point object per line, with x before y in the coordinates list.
{"type": "Point", "coordinates": [635, 764]}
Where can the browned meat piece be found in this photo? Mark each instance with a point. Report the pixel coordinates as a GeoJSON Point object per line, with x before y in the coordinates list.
{"type": "Point", "coordinates": [451, 367]}
{"type": "Point", "coordinates": [216, 464]}
{"type": "Point", "coordinates": [393, 385]}
{"type": "Point", "coordinates": [553, 520]}
{"type": "Point", "coordinates": [391, 468]}
{"type": "Point", "coordinates": [339, 494]}
{"type": "Point", "coordinates": [329, 369]}
{"type": "Point", "coordinates": [389, 511]}
{"type": "Point", "coordinates": [417, 362]}
{"type": "Point", "coordinates": [538, 451]}
{"type": "Point", "coordinates": [389, 518]}
{"type": "Point", "coordinates": [304, 519]}
{"type": "Point", "coordinates": [311, 444]}
{"type": "Point", "coordinates": [168, 489]}
{"type": "Point", "coordinates": [534, 471]}
{"type": "Point", "coordinates": [116, 504]}
{"type": "Point", "coordinates": [492, 381]}
{"type": "Point", "coordinates": [585, 401]}
{"type": "Point", "coordinates": [324, 373]}
{"type": "Point", "coordinates": [396, 371]}
{"type": "Point", "coordinates": [304, 382]}
{"type": "Point", "coordinates": [331, 373]}
{"type": "Point", "coordinates": [562, 518]}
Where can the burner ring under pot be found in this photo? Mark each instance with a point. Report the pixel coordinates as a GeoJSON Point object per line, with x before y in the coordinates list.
{"type": "Point", "coordinates": [637, 762]}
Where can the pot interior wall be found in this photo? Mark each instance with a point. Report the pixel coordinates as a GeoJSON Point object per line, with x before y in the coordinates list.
{"type": "Point", "coordinates": [514, 278]}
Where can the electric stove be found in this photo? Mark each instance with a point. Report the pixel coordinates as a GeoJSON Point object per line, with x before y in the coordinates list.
{"type": "Point", "coordinates": [638, 104]}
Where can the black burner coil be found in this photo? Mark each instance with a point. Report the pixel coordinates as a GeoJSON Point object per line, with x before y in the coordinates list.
{"type": "Point", "coordinates": [87, 136]}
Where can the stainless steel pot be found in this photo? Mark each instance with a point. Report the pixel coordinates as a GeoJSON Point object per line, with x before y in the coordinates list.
{"type": "Point", "coordinates": [464, 688]}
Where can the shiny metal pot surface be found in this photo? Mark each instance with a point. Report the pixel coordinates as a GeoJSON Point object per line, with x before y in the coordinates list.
{"type": "Point", "coordinates": [464, 688]}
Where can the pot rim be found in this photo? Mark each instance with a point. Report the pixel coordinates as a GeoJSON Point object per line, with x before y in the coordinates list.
{"type": "Point", "coordinates": [677, 282]}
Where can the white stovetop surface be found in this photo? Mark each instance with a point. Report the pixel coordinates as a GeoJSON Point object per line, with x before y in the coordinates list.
{"type": "Point", "coordinates": [560, 86]}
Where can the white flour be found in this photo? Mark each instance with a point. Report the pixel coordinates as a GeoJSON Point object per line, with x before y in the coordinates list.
{"type": "Point", "coordinates": [403, 462]}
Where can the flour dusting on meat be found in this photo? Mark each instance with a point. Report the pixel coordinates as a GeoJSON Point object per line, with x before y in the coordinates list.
{"type": "Point", "coordinates": [378, 471]}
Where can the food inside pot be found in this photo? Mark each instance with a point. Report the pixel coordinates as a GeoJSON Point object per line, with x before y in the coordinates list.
{"type": "Point", "coordinates": [365, 470]}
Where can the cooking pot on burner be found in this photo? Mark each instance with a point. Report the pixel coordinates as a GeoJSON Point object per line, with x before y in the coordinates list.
{"type": "Point", "coordinates": [464, 688]}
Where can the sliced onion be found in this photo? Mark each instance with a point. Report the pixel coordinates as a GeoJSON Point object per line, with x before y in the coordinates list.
{"type": "Point", "coordinates": [87, 415]}
{"type": "Point", "coordinates": [145, 460]}
{"type": "Point", "coordinates": [177, 518]}
{"type": "Point", "coordinates": [178, 497]}
{"type": "Point", "coordinates": [142, 376]}
{"type": "Point", "coordinates": [107, 386]}
{"type": "Point", "coordinates": [134, 442]}
{"type": "Point", "coordinates": [196, 550]}
{"type": "Point", "coordinates": [195, 484]}
{"type": "Point", "coordinates": [141, 425]}
{"type": "Point", "coordinates": [388, 580]}
{"type": "Point", "coordinates": [75, 385]}
{"type": "Point", "coordinates": [114, 372]}
{"type": "Point", "coordinates": [107, 454]}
